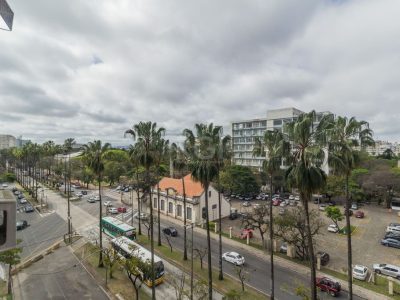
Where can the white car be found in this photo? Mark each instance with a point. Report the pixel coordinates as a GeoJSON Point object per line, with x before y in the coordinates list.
{"type": "Point", "coordinates": [291, 197]}
{"type": "Point", "coordinates": [386, 269]}
{"type": "Point", "coordinates": [360, 272]}
{"type": "Point", "coordinates": [322, 207]}
{"type": "Point", "coordinates": [5, 185]}
{"type": "Point", "coordinates": [393, 229]}
{"type": "Point", "coordinates": [107, 203]}
{"type": "Point", "coordinates": [283, 204]}
{"type": "Point", "coordinates": [143, 216]}
{"type": "Point", "coordinates": [112, 210]}
{"type": "Point", "coordinates": [23, 201]}
{"type": "Point", "coordinates": [333, 228]}
{"type": "Point", "coordinates": [96, 198]}
{"type": "Point", "coordinates": [234, 258]}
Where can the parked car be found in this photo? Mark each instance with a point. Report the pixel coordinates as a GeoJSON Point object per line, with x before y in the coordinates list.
{"type": "Point", "coordinates": [283, 204]}
{"type": "Point", "coordinates": [326, 284]}
{"type": "Point", "coordinates": [112, 210]}
{"type": "Point", "coordinates": [324, 257]}
{"type": "Point", "coordinates": [392, 235]}
{"type": "Point", "coordinates": [354, 206]}
{"type": "Point", "coordinates": [393, 229]}
{"type": "Point", "coordinates": [297, 198]}
{"type": "Point", "coordinates": [359, 214]}
{"type": "Point", "coordinates": [97, 198]}
{"type": "Point", "coordinates": [4, 185]}
{"type": "Point", "coordinates": [234, 214]}
{"type": "Point", "coordinates": [122, 209]}
{"type": "Point", "coordinates": [23, 201]}
{"type": "Point", "coordinates": [332, 203]}
{"type": "Point", "coordinates": [107, 203]}
{"type": "Point", "coordinates": [276, 202]}
{"type": "Point", "coordinates": [170, 231]}
{"type": "Point", "coordinates": [143, 216]}
{"type": "Point", "coordinates": [84, 192]}
{"type": "Point", "coordinates": [91, 200]}
{"type": "Point", "coordinates": [386, 269]}
{"type": "Point", "coordinates": [291, 197]}
{"type": "Point", "coordinates": [79, 194]}
{"type": "Point", "coordinates": [246, 204]}
{"type": "Point", "coordinates": [29, 208]}
{"type": "Point", "coordinates": [322, 207]}
{"type": "Point", "coordinates": [234, 258]}
{"type": "Point", "coordinates": [22, 224]}
{"type": "Point", "coordinates": [283, 248]}
{"type": "Point", "coordinates": [245, 233]}
{"type": "Point", "coordinates": [333, 228]}
{"type": "Point", "coordinates": [389, 242]}
{"type": "Point", "coordinates": [360, 272]}
{"type": "Point", "coordinates": [394, 224]}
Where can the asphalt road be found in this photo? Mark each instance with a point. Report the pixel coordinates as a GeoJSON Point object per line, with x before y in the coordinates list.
{"type": "Point", "coordinates": [286, 280]}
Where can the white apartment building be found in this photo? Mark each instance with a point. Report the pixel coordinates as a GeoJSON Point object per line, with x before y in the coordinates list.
{"type": "Point", "coordinates": [244, 133]}
{"type": "Point", "coordinates": [7, 141]}
{"type": "Point", "coordinates": [171, 200]}
{"type": "Point", "coordinates": [381, 146]}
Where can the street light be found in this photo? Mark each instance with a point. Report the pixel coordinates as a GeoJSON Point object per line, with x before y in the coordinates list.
{"type": "Point", "coordinates": [191, 257]}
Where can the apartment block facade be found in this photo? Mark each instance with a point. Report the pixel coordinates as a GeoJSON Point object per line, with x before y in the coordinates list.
{"type": "Point", "coordinates": [7, 141]}
{"type": "Point", "coordinates": [244, 133]}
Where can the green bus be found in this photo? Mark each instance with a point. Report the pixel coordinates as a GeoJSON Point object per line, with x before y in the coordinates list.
{"type": "Point", "coordinates": [115, 228]}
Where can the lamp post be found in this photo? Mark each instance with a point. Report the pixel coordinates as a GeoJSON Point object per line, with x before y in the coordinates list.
{"type": "Point", "coordinates": [191, 263]}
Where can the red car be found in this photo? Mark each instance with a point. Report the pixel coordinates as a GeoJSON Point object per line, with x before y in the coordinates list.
{"type": "Point", "coordinates": [122, 209]}
{"type": "Point", "coordinates": [328, 285]}
{"type": "Point", "coordinates": [359, 214]}
{"type": "Point", "coordinates": [276, 202]}
{"type": "Point", "coordinates": [245, 233]}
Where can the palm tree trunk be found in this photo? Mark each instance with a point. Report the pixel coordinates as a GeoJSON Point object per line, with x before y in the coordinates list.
{"type": "Point", "coordinates": [348, 233]}
{"type": "Point", "coordinates": [184, 220]}
{"type": "Point", "coordinates": [101, 264]}
{"type": "Point", "coordinates": [305, 198]}
{"type": "Point", "coordinates": [210, 288]}
{"type": "Point", "coordinates": [271, 238]}
{"type": "Point", "coordinates": [158, 214]}
{"type": "Point", "coordinates": [9, 285]}
{"type": "Point", "coordinates": [221, 274]}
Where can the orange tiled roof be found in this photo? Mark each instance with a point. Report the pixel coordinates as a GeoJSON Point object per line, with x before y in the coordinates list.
{"type": "Point", "coordinates": [192, 188]}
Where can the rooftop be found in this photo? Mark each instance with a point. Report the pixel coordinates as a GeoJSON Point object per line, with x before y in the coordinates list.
{"type": "Point", "coordinates": [192, 188]}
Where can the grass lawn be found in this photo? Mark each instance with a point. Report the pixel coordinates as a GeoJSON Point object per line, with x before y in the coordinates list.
{"type": "Point", "coordinates": [120, 284]}
{"type": "Point", "coordinates": [176, 258]}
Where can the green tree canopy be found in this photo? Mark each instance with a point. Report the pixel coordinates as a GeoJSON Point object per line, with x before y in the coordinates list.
{"type": "Point", "coordinates": [239, 180]}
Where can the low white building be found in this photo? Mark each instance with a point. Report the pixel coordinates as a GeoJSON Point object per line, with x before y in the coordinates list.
{"type": "Point", "coordinates": [171, 200]}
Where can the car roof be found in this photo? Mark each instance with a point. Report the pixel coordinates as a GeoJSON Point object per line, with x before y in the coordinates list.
{"type": "Point", "coordinates": [361, 267]}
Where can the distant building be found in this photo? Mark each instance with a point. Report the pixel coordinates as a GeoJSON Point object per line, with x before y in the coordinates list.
{"type": "Point", "coordinates": [20, 142]}
{"type": "Point", "coordinates": [7, 141]}
{"type": "Point", "coordinates": [171, 200]}
{"type": "Point", "coordinates": [244, 133]}
{"type": "Point", "coordinates": [381, 146]}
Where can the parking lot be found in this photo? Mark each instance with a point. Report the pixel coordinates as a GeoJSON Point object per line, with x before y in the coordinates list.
{"type": "Point", "coordinates": [366, 238]}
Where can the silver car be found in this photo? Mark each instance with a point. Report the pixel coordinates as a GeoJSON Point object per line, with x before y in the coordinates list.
{"type": "Point", "coordinates": [386, 269]}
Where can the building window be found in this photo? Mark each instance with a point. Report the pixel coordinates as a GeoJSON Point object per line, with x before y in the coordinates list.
{"type": "Point", "coordinates": [209, 193]}
{"type": "Point", "coordinates": [179, 210]}
{"type": "Point", "coordinates": [278, 122]}
{"type": "Point", "coordinates": [155, 203]}
{"type": "Point", "coordinates": [170, 207]}
{"type": "Point", "coordinates": [162, 205]}
{"type": "Point", "coordinates": [188, 213]}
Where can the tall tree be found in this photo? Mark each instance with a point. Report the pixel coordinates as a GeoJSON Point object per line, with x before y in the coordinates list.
{"type": "Point", "coordinates": [94, 156]}
{"type": "Point", "coordinates": [343, 137]}
{"type": "Point", "coordinates": [134, 155]}
{"type": "Point", "coordinates": [11, 258]}
{"type": "Point", "coordinates": [274, 148]}
{"type": "Point", "coordinates": [202, 148]}
{"type": "Point", "coordinates": [305, 172]}
{"type": "Point", "coordinates": [147, 136]}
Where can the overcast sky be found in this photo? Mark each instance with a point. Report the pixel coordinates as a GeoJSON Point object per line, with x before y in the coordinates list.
{"type": "Point", "coordinates": [91, 69]}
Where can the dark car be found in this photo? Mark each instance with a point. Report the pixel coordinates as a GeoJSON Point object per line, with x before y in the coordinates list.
{"type": "Point", "coordinates": [324, 258]}
{"type": "Point", "coordinates": [22, 224]}
{"type": "Point", "coordinates": [392, 235]}
{"type": "Point", "coordinates": [328, 285]}
{"type": "Point", "coordinates": [84, 192]}
{"type": "Point", "coordinates": [331, 203]}
{"type": "Point", "coordinates": [170, 231]}
{"type": "Point", "coordinates": [389, 242]}
{"type": "Point", "coordinates": [29, 208]}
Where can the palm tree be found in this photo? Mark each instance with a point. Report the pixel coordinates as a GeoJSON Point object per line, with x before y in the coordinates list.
{"type": "Point", "coordinates": [305, 172]}
{"type": "Point", "coordinates": [275, 148]}
{"type": "Point", "coordinates": [147, 137]}
{"type": "Point", "coordinates": [135, 159]}
{"type": "Point", "coordinates": [94, 154]}
{"type": "Point", "coordinates": [344, 136]}
{"type": "Point", "coordinates": [202, 149]}
{"type": "Point", "coordinates": [221, 156]}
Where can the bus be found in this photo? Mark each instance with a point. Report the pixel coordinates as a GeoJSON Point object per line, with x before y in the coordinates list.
{"type": "Point", "coordinates": [128, 248]}
{"type": "Point", "coordinates": [115, 227]}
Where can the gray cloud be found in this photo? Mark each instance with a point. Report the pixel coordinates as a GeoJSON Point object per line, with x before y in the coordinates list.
{"type": "Point", "coordinates": [91, 69]}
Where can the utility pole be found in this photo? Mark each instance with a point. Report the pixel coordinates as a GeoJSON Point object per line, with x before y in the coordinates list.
{"type": "Point", "coordinates": [68, 199]}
